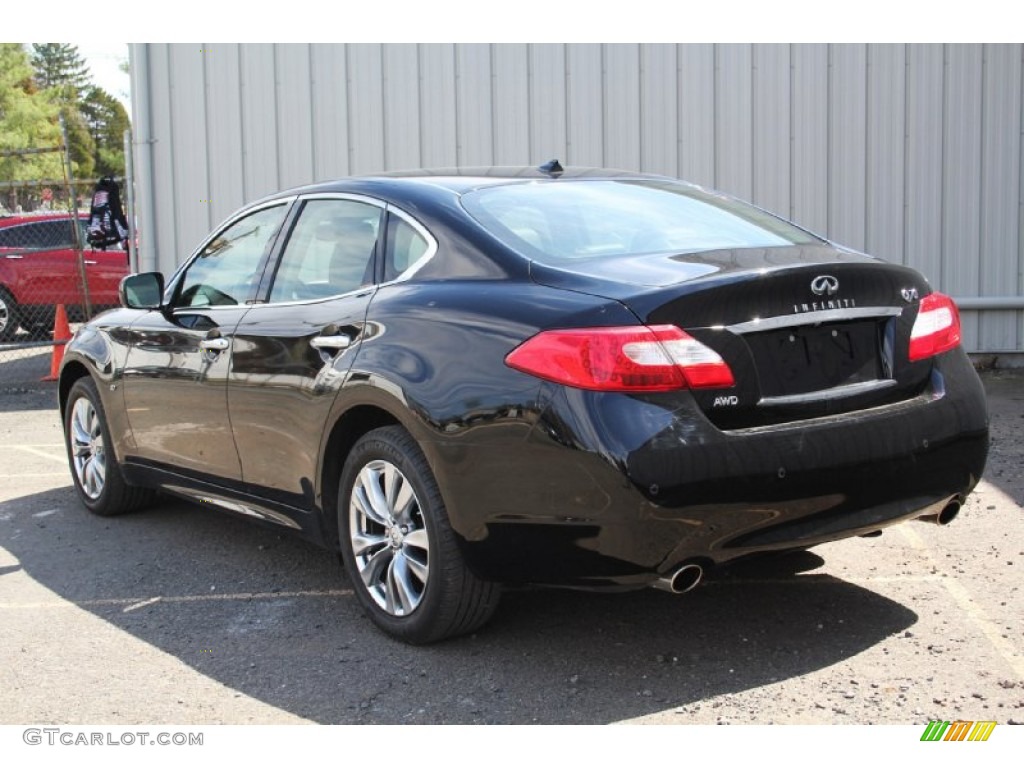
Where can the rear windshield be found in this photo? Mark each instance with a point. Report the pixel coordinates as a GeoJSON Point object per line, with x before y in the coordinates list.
{"type": "Point", "coordinates": [556, 221]}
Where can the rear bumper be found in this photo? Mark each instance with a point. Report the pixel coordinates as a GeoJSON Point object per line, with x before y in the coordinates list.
{"type": "Point", "coordinates": [611, 490]}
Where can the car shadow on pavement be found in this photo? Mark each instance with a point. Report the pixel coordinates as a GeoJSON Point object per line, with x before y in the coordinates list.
{"type": "Point", "coordinates": [272, 618]}
{"type": "Point", "coordinates": [1005, 390]}
{"type": "Point", "coordinates": [18, 395]}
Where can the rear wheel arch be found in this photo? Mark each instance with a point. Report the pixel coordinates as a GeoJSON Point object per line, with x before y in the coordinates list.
{"type": "Point", "coordinates": [401, 555]}
{"type": "Point", "coordinates": [347, 429]}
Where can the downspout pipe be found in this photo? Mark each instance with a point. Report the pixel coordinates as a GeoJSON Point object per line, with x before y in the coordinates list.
{"type": "Point", "coordinates": [142, 96]}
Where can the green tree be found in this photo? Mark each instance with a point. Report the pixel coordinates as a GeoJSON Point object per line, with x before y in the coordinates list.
{"type": "Point", "coordinates": [28, 120]}
{"type": "Point", "coordinates": [107, 121]}
{"type": "Point", "coordinates": [81, 144]}
{"type": "Point", "coordinates": [62, 74]}
{"type": "Point", "coordinates": [60, 66]}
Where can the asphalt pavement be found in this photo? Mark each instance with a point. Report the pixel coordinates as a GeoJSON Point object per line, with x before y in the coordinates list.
{"type": "Point", "coordinates": [179, 614]}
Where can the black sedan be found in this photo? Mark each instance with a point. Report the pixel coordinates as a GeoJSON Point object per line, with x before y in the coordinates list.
{"type": "Point", "coordinates": [461, 379]}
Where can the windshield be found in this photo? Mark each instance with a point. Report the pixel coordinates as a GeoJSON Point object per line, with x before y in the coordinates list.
{"type": "Point", "coordinates": [552, 222]}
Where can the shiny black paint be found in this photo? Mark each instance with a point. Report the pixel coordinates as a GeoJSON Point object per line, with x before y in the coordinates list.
{"type": "Point", "coordinates": [175, 393]}
{"type": "Point", "coordinates": [281, 390]}
{"type": "Point", "coordinates": [542, 483]}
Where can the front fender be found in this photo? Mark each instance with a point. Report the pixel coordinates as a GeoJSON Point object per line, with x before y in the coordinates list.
{"type": "Point", "coordinates": [99, 349]}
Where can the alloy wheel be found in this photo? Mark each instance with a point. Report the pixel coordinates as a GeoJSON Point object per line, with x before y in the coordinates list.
{"type": "Point", "coordinates": [87, 449]}
{"type": "Point", "coordinates": [5, 314]}
{"type": "Point", "coordinates": [389, 538]}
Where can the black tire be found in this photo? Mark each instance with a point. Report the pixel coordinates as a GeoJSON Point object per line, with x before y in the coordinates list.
{"type": "Point", "coordinates": [450, 600]}
{"type": "Point", "coordinates": [39, 322]}
{"type": "Point", "coordinates": [9, 316]}
{"type": "Point", "coordinates": [87, 437]}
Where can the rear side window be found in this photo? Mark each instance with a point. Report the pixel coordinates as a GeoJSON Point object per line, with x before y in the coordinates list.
{"type": "Point", "coordinates": [38, 235]}
{"type": "Point", "coordinates": [406, 246]}
{"type": "Point", "coordinates": [555, 221]}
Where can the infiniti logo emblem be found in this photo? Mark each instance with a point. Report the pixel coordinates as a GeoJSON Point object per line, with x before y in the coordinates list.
{"type": "Point", "coordinates": [824, 285]}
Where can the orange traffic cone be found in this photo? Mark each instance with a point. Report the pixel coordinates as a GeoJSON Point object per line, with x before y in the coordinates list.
{"type": "Point", "coordinates": [61, 335]}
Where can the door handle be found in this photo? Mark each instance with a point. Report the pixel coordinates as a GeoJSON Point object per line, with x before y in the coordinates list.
{"type": "Point", "coordinates": [90, 261]}
{"type": "Point", "coordinates": [14, 256]}
{"type": "Point", "coordinates": [218, 344]}
{"type": "Point", "coordinates": [336, 342]}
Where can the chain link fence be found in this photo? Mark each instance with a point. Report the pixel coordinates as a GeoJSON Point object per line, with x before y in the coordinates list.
{"type": "Point", "coordinates": [47, 263]}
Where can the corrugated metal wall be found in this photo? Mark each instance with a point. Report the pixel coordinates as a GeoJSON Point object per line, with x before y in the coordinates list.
{"type": "Point", "coordinates": [910, 152]}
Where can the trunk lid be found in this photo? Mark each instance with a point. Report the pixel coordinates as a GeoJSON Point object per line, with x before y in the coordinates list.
{"type": "Point", "coordinates": [808, 331]}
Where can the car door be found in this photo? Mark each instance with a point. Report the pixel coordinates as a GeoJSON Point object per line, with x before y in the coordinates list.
{"type": "Point", "coordinates": [292, 350]}
{"type": "Point", "coordinates": [44, 262]}
{"type": "Point", "coordinates": [175, 378]}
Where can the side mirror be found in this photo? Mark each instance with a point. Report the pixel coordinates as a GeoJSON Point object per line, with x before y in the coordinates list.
{"type": "Point", "coordinates": [143, 291]}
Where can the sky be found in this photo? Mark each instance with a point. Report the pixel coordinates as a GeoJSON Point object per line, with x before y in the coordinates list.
{"type": "Point", "coordinates": [104, 59]}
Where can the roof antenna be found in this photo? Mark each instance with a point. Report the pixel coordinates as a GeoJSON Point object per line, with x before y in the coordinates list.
{"type": "Point", "coordinates": [552, 168]}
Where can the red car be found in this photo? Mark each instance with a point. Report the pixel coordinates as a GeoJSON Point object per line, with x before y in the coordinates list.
{"type": "Point", "coordinates": [39, 269]}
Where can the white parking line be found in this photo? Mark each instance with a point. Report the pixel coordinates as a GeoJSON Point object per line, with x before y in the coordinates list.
{"type": "Point", "coordinates": [810, 579]}
{"type": "Point", "coordinates": [33, 474]}
{"type": "Point", "coordinates": [37, 452]}
{"type": "Point", "coordinates": [142, 604]}
{"type": "Point", "coordinates": [967, 604]}
{"type": "Point", "coordinates": [134, 603]}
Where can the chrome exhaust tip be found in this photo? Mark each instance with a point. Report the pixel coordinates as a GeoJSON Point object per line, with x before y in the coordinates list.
{"type": "Point", "coordinates": [946, 516]}
{"type": "Point", "coordinates": [683, 580]}
{"type": "Point", "coordinates": [948, 513]}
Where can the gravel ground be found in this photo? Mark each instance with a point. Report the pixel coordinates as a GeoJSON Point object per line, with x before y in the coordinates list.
{"type": "Point", "coordinates": [179, 615]}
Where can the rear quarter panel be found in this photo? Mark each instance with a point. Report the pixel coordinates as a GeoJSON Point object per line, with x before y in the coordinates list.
{"type": "Point", "coordinates": [436, 362]}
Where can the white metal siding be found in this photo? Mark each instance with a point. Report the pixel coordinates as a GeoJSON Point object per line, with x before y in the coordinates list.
{"type": "Point", "coordinates": [771, 127]}
{"type": "Point", "coordinates": [259, 137]}
{"type": "Point", "coordinates": [294, 97]}
{"type": "Point", "coordinates": [584, 119]}
{"type": "Point", "coordinates": [548, 136]}
{"type": "Point", "coordinates": [696, 127]}
{"type": "Point", "coordinates": [910, 152]}
{"type": "Point", "coordinates": [924, 190]}
{"type": "Point", "coordinates": [1000, 190]}
{"type": "Point", "coordinates": [223, 128]}
{"type": "Point", "coordinates": [886, 133]}
{"type": "Point", "coordinates": [474, 132]}
{"type": "Point", "coordinates": [402, 106]}
{"type": "Point", "coordinates": [438, 131]}
{"type": "Point", "coordinates": [961, 214]}
{"type": "Point", "coordinates": [847, 157]}
{"type": "Point", "coordinates": [734, 116]}
{"type": "Point", "coordinates": [329, 85]}
{"type": "Point", "coordinates": [621, 74]}
{"type": "Point", "coordinates": [810, 110]}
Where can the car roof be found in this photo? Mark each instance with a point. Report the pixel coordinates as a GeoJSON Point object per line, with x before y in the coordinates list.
{"type": "Point", "coordinates": [460, 180]}
{"type": "Point", "coordinates": [28, 218]}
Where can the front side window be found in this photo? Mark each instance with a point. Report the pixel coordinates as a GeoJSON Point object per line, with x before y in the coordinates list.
{"type": "Point", "coordinates": [227, 269]}
{"type": "Point", "coordinates": [330, 251]}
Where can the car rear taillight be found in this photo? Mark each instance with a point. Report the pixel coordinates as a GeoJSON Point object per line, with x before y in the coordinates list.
{"type": "Point", "coordinates": [936, 329]}
{"type": "Point", "coordinates": [626, 359]}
